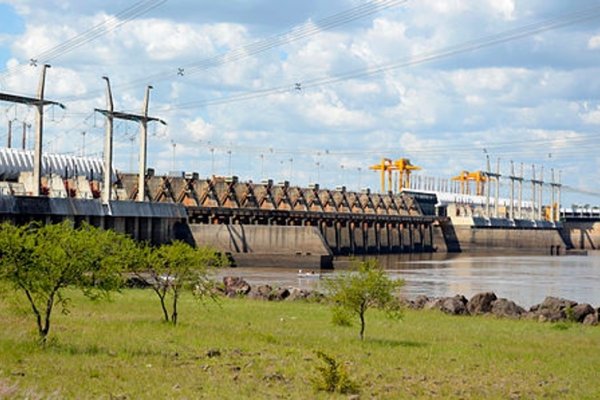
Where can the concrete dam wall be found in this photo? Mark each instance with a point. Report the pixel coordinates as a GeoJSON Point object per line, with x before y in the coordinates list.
{"type": "Point", "coordinates": [584, 235]}
{"type": "Point", "coordinates": [153, 222]}
{"type": "Point", "coordinates": [263, 245]}
{"type": "Point", "coordinates": [313, 247]}
{"type": "Point", "coordinates": [382, 238]}
{"type": "Point", "coordinates": [470, 235]}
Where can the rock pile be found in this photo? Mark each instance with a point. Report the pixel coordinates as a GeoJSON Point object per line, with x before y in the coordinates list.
{"type": "Point", "coordinates": [552, 309]}
{"type": "Point", "coordinates": [237, 287]}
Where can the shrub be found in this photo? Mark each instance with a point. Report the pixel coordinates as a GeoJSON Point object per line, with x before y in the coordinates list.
{"type": "Point", "coordinates": [333, 377]}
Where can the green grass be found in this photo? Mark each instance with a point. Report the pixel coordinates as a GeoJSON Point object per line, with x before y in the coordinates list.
{"type": "Point", "coordinates": [267, 350]}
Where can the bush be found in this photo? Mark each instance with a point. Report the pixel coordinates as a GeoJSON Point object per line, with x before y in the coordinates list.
{"type": "Point", "coordinates": [333, 377]}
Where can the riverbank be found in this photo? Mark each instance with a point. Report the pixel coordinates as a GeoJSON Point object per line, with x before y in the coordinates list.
{"type": "Point", "coordinates": [259, 349]}
{"type": "Point", "coordinates": [524, 279]}
{"type": "Point", "coordinates": [552, 309]}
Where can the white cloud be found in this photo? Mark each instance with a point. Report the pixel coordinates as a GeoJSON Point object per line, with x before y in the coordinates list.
{"type": "Point", "coordinates": [199, 129]}
{"type": "Point", "coordinates": [531, 87]}
{"type": "Point", "coordinates": [591, 117]}
{"type": "Point", "coordinates": [445, 6]}
{"type": "Point", "coordinates": [594, 42]}
{"type": "Point", "coordinates": [506, 8]}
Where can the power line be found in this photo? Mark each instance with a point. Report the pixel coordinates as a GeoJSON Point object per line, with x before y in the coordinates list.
{"type": "Point", "coordinates": [293, 34]}
{"type": "Point", "coordinates": [103, 28]}
{"type": "Point", "coordinates": [468, 46]}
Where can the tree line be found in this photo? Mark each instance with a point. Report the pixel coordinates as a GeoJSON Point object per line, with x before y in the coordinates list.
{"type": "Point", "coordinates": [41, 261]}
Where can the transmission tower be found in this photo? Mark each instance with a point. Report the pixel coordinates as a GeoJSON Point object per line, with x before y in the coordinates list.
{"type": "Point", "coordinates": [143, 119]}
{"type": "Point", "coordinates": [39, 104]}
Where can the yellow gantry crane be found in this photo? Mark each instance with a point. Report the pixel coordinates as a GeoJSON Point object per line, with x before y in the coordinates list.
{"type": "Point", "coordinates": [387, 166]}
{"type": "Point", "coordinates": [465, 178]}
{"type": "Point", "coordinates": [404, 168]}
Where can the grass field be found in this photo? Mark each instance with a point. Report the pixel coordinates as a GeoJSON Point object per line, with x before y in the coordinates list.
{"type": "Point", "coordinates": [121, 349]}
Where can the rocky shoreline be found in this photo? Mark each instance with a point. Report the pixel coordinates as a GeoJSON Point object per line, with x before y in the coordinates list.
{"type": "Point", "coordinates": [552, 309]}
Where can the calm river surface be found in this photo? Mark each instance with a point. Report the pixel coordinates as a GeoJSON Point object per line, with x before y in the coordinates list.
{"type": "Point", "coordinates": [524, 279]}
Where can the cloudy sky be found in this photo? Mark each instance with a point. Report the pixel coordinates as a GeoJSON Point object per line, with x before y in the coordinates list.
{"type": "Point", "coordinates": [318, 90]}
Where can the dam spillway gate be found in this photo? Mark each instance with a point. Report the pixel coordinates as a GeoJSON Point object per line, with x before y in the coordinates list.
{"type": "Point", "coordinates": [349, 222]}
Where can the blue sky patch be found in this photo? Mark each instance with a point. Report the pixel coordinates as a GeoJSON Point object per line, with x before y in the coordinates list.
{"type": "Point", "coordinates": [10, 24]}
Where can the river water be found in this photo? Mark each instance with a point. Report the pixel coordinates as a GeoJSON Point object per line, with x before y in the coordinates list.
{"type": "Point", "coordinates": [527, 280]}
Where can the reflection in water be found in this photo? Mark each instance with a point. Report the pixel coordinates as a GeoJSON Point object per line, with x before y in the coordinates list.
{"type": "Point", "coordinates": [524, 279]}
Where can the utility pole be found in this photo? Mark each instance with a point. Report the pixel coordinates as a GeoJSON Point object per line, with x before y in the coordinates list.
{"type": "Point", "coordinates": [37, 150]}
{"type": "Point", "coordinates": [39, 104]}
{"type": "Point", "coordinates": [25, 126]}
{"type": "Point", "coordinates": [318, 164]}
{"type": "Point", "coordinates": [541, 191]}
{"type": "Point", "coordinates": [520, 205]}
{"type": "Point", "coordinates": [512, 190]}
{"type": "Point", "coordinates": [533, 183]}
{"type": "Point", "coordinates": [488, 174]}
{"type": "Point", "coordinates": [558, 187]}
{"type": "Point", "coordinates": [497, 200]}
{"type": "Point", "coordinates": [143, 119]}
{"type": "Point", "coordinates": [132, 140]}
{"type": "Point", "coordinates": [82, 143]}
{"type": "Point", "coordinates": [552, 189]}
{"type": "Point", "coordinates": [173, 158]}
{"type": "Point", "coordinates": [229, 164]}
{"type": "Point", "coordinates": [9, 139]}
{"type": "Point", "coordinates": [108, 145]}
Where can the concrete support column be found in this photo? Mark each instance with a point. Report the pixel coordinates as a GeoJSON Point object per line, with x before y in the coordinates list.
{"type": "Point", "coordinates": [378, 237]}
{"type": "Point", "coordinates": [400, 231]}
{"type": "Point", "coordinates": [338, 237]}
{"type": "Point", "coordinates": [351, 232]}
{"type": "Point", "coordinates": [365, 237]}
{"type": "Point", "coordinates": [430, 237]}
{"type": "Point", "coordinates": [421, 230]}
{"type": "Point", "coordinates": [394, 232]}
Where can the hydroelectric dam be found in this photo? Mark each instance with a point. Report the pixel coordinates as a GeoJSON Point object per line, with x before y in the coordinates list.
{"type": "Point", "coordinates": [280, 224]}
{"type": "Point", "coordinates": [277, 224]}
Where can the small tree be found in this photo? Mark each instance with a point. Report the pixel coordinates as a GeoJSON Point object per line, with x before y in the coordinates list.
{"type": "Point", "coordinates": [41, 261]}
{"type": "Point", "coordinates": [172, 268]}
{"type": "Point", "coordinates": [352, 294]}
